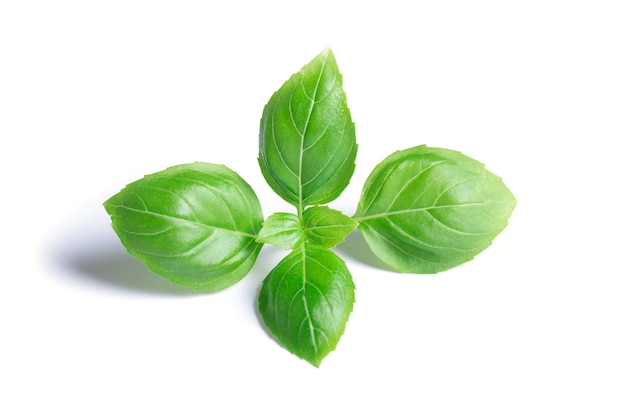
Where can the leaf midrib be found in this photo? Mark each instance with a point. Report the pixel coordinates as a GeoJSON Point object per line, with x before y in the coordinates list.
{"type": "Point", "coordinates": [303, 135]}
{"type": "Point", "coordinates": [420, 209]}
{"type": "Point", "coordinates": [305, 303]}
{"type": "Point", "coordinates": [178, 219]}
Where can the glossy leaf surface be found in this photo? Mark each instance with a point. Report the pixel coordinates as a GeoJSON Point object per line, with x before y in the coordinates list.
{"type": "Point", "coordinates": [307, 143]}
{"type": "Point", "coordinates": [306, 300]}
{"type": "Point", "coordinates": [283, 230]}
{"type": "Point", "coordinates": [327, 227]}
{"type": "Point", "coordinates": [425, 210]}
{"type": "Point", "coordinates": [194, 224]}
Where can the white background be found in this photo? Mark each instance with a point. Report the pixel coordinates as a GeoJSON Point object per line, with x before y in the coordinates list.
{"type": "Point", "coordinates": [94, 95]}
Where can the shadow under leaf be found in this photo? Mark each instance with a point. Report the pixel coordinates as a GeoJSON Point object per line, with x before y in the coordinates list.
{"type": "Point", "coordinates": [355, 247]}
{"type": "Point", "coordinates": [99, 263]}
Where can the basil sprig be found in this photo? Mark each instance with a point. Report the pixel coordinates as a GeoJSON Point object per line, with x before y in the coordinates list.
{"type": "Point", "coordinates": [422, 210]}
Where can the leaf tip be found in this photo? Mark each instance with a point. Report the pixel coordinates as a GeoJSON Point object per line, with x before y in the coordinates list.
{"type": "Point", "coordinates": [327, 52]}
{"type": "Point", "coordinates": [316, 363]}
{"type": "Point", "coordinates": [327, 56]}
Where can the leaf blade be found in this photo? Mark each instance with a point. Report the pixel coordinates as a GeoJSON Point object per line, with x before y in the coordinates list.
{"type": "Point", "coordinates": [307, 143]}
{"type": "Point", "coordinates": [425, 210]}
{"type": "Point", "coordinates": [194, 224]}
{"type": "Point", "coordinates": [326, 227]}
{"type": "Point", "coordinates": [306, 300]}
{"type": "Point", "coordinates": [283, 230]}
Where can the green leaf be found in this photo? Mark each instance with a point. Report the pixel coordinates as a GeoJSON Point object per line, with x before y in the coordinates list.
{"type": "Point", "coordinates": [283, 230]}
{"type": "Point", "coordinates": [307, 143]}
{"type": "Point", "coordinates": [194, 224]}
{"type": "Point", "coordinates": [306, 300]}
{"type": "Point", "coordinates": [327, 227]}
{"type": "Point", "coordinates": [425, 210]}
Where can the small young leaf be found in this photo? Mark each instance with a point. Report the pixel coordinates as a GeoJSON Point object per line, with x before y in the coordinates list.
{"type": "Point", "coordinates": [327, 227]}
{"type": "Point", "coordinates": [283, 230]}
{"type": "Point", "coordinates": [425, 210]}
{"type": "Point", "coordinates": [306, 300]}
{"type": "Point", "coordinates": [307, 144]}
{"type": "Point", "coordinates": [194, 224]}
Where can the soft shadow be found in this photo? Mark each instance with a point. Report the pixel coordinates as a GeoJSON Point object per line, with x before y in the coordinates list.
{"type": "Point", "coordinates": [355, 247]}
{"type": "Point", "coordinates": [102, 264]}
